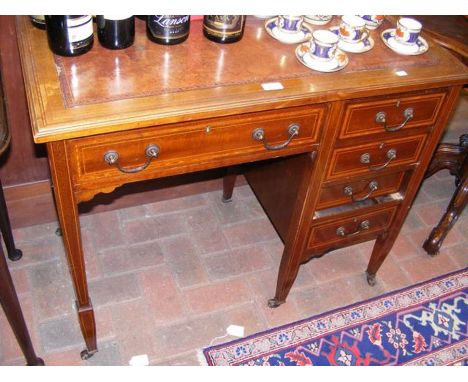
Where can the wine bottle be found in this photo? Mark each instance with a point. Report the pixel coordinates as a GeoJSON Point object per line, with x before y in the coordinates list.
{"type": "Point", "coordinates": [38, 21]}
{"type": "Point", "coordinates": [224, 29]}
{"type": "Point", "coordinates": [168, 29]}
{"type": "Point", "coordinates": [69, 35]}
{"type": "Point", "coordinates": [116, 32]}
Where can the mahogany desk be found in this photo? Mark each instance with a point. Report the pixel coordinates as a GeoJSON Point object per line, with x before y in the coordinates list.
{"type": "Point", "coordinates": [342, 154]}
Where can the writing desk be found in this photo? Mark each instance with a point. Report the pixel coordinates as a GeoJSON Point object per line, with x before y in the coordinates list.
{"type": "Point", "coordinates": [327, 171]}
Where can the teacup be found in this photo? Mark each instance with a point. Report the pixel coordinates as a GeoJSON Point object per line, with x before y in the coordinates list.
{"type": "Point", "coordinates": [407, 31]}
{"type": "Point", "coordinates": [372, 21]}
{"type": "Point", "coordinates": [290, 24]}
{"type": "Point", "coordinates": [323, 45]}
{"type": "Point", "coordinates": [353, 29]}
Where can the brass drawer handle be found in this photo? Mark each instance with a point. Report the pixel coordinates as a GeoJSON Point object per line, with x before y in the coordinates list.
{"type": "Point", "coordinates": [363, 226]}
{"type": "Point", "coordinates": [259, 135]}
{"type": "Point", "coordinates": [381, 117]}
{"type": "Point", "coordinates": [366, 158]}
{"type": "Point", "coordinates": [373, 186]}
{"type": "Point", "coordinates": [111, 157]}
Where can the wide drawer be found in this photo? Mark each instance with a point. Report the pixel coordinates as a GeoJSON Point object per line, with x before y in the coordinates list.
{"type": "Point", "coordinates": [194, 146]}
{"type": "Point", "coordinates": [390, 114]}
{"type": "Point", "coordinates": [358, 190]}
{"type": "Point", "coordinates": [359, 226]}
{"type": "Point", "coordinates": [375, 157]}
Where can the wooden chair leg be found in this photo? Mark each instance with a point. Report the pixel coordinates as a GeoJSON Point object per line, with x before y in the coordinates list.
{"type": "Point", "coordinates": [455, 159]}
{"type": "Point", "coordinates": [14, 314]}
{"type": "Point", "coordinates": [14, 254]}
{"type": "Point", "coordinates": [455, 208]}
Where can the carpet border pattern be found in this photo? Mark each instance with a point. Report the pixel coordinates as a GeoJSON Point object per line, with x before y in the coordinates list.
{"type": "Point", "coordinates": [253, 349]}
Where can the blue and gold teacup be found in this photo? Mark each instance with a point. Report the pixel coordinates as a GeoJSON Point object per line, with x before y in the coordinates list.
{"type": "Point", "coordinates": [353, 29]}
{"type": "Point", "coordinates": [407, 31]}
{"type": "Point", "coordinates": [372, 21]}
{"type": "Point", "coordinates": [289, 24]}
{"type": "Point", "coordinates": [323, 45]}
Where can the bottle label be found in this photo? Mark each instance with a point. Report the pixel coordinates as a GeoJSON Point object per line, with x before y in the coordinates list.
{"type": "Point", "coordinates": [224, 25]}
{"type": "Point", "coordinates": [169, 26]}
{"type": "Point", "coordinates": [80, 29]}
{"type": "Point", "coordinates": [116, 17]}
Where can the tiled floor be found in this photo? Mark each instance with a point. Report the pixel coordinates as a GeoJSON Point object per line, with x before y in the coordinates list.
{"type": "Point", "coordinates": [167, 278]}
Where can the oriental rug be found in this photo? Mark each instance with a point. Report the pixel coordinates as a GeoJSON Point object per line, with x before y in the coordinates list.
{"type": "Point", "coordinates": [424, 324]}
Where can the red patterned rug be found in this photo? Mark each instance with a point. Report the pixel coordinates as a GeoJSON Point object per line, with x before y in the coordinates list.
{"type": "Point", "coordinates": [425, 324]}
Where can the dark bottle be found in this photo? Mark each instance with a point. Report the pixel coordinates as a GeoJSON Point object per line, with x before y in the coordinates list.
{"type": "Point", "coordinates": [116, 32]}
{"type": "Point", "coordinates": [168, 29]}
{"type": "Point", "coordinates": [38, 21]}
{"type": "Point", "coordinates": [69, 35]}
{"type": "Point", "coordinates": [224, 29]}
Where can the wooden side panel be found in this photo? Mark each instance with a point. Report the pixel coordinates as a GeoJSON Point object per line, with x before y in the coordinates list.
{"type": "Point", "coordinates": [24, 162]}
{"type": "Point", "coordinates": [284, 176]}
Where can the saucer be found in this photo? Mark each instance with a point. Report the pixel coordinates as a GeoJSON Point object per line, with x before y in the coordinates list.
{"type": "Point", "coordinates": [419, 47]}
{"type": "Point", "coordinates": [317, 19]}
{"type": "Point", "coordinates": [338, 63]}
{"type": "Point", "coordinates": [288, 38]}
{"type": "Point", "coordinates": [356, 47]}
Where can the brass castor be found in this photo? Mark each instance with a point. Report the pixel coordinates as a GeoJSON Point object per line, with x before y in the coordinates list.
{"type": "Point", "coordinates": [274, 303]}
{"type": "Point", "coordinates": [85, 354]}
{"type": "Point", "coordinates": [16, 255]}
{"type": "Point", "coordinates": [39, 362]}
{"type": "Point", "coordinates": [371, 279]}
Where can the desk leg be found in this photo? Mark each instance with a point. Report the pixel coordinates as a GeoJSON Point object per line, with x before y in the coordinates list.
{"type": "Point", "coordinates": [288, 270]}
{"type": "Point", "coordinates": [67, 210]}
{"type": "Point", "coordinates": [229, 180]}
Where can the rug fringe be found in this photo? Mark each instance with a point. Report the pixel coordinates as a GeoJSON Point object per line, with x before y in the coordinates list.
{"type": "Point", "coordinates": [201, 358]}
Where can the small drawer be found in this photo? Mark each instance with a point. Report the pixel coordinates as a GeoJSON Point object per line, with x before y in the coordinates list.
{"type": "Point", "coordinates": [357, 227]}
{"type": "Point", "coordinates": [360, 190]}
{"type": "Point", "coordinates": [179, 148]}
{"type": "Point", "coordinates": [375, 157]}
{"type": "Point", "coordinates": [391, 114]}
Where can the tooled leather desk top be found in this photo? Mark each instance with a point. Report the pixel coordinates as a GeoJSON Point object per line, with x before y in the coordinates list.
{"type": "Point", "coordinates": [147, 68]}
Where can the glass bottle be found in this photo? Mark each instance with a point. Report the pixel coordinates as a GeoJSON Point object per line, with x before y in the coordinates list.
{"type": "Point", "coordinates": [224, 29]}
{"type": "Point", "coordinates": [70, 35]}
{"type": "Point", "coordinates": [116, 32]}
{"type": "Point", "coordinates": [168, 29]}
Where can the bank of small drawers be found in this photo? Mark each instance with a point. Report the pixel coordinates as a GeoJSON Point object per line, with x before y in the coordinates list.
{"type": "Point", "coordinates": [379, 144]}
{"type": "Point", "coordinates": [379, 139]}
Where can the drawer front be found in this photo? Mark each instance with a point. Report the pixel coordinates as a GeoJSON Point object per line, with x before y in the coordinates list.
{"type": "Point", "coordinates": [195, 146]}
{"type": "Point", "coordinates": [375, 157]}
{"type": "Point", "coordinates": [341, 231]}
{"type": "Point", "coordinates": [360, 189]}
{"type": "Point", "coordinates": [389, 115]}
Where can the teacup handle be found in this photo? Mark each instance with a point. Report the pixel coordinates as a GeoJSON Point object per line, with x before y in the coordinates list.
{"type": "Point", "coordinates": [365, 35]}
{"type": "Point", "coordinates": [312, 46]}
